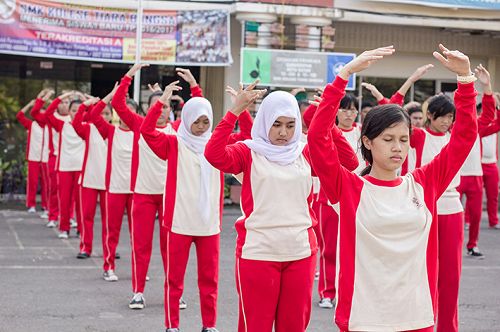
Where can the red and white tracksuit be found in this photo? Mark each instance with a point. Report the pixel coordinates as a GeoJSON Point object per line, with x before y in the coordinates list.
{"type": "Point", "coordinates": [489, 162]}
{"type": "Point", "coordinates": [428, 145]}
{"type": "Point", "coordinates": [37, 155]}
{"type": "Point", "coordinates": [118, 178]}
{"type": "Point", "coordinates": [69, 165]}
{"type": "Point", "coordinates": [148, 182]}
{"type": "Point", "coordinates": [53, 197]}
{"type": "Point", "coordinates": [184, 223]}
{"type": "Point", "coordinates": [270, 262]}
{"type": "Point", "coordinates": [327, 227]}
{"type": "Point", "coordinates": [92, 180]}
{"type": "Point", "coordinates": [388, 271]}
{"type": "Point", "coordinates": [471, 175]}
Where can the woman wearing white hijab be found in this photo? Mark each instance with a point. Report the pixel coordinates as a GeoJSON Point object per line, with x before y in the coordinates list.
{"type": "Point", "coordinates": [276, 245]}
{"type": "Point", "coordinates": [193, 214]}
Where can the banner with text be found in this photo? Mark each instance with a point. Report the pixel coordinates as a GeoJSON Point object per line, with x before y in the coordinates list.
{"type": "Point", "coordinates": [58, 30]}
{"type": "Point", "coordinates": [293, 68]}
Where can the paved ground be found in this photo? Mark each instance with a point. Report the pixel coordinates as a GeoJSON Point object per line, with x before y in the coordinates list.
{"type": "Point", "coordinates": [47, 289]}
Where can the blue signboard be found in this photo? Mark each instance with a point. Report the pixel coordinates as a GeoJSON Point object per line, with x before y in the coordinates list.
{"type": "Point", "coordinates": [336, 61]}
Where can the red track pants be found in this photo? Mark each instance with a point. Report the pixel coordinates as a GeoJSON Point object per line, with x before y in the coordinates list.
{"type": "Point", "coordinates": [207, 257]}
{"type": "Point", "coordinates": [115, 207]}
{"type": "Point", "coordinates": [451, 237]}
{"type": "Point", "coordinates": [88, 202]}
{"type": "Point", "coordinates": [68, 193]}
{"type": "Point", "coordinates": [53, 198]}
{"type": "Point", "coordinates": [144, 210]}
{"type": "Point", "coordinates": [274, 293]}
{"type": "Point", "coordinates": [326, 232]}
{"type": "Point", "coordinates": [472, 188]}
{"type": "Point", "coordinates": [490, 180]}
{"type": "Point", "coordinates": [36, 170]}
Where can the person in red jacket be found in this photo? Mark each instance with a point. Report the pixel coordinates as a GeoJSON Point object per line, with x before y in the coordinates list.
{"type": "Point", "coordinates": [41, 119]}
{"type": "Point", "coordinates": [92, 181]}
{"type": "Point", "coordinates": [147, 183]}
{"type": "Point", "coordinates": [118, 176]}
{"type": "Point", "coordinates": [276, 246]}
{"type": "Point", "coordinates": [471, 174]}
{"type": "Point", "coordinates": [37, 155]}
{"type": "Point", "coordinates": [489, 160]}
{"type": "Point", "coordinates": [69, 163]}
{"type": "Point", "coordinates": [190, 179]}
{"type": "Point", "coordinates": [388, 242]}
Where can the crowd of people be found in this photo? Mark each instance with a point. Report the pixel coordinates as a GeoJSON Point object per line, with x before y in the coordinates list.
{"type": "Point", "coordinates": [373, 193]}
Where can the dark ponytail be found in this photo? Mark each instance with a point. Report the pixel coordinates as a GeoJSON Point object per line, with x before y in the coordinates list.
{"type": "Point", "coordinates": [376, 121]}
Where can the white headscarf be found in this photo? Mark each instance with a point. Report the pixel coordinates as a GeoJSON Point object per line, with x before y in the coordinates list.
{"type": "Point", "coordinates": [192, 110]}
{"type": "Point", "coordinates": [276, 104]}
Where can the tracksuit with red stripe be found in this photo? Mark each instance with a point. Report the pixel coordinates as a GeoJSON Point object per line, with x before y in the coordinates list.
{"type": "Point", "coordinates": [388, 272]}
{"type": "Point", "coordinates": [117, 182]}
{"type": "Point", "coordinates": [92, 181]}
{"type": "Point", "coordinates": [184, 223]}
{"type": "Point", "coordinates": [147, 183]}
{"type": "Point", "coordinates": [37, 155]}
{"type": "Point", "coordinates": [69, 165]}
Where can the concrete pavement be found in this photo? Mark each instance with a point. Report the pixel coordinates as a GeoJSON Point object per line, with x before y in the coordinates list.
{"type": "Point", "coordinates": [47, 289]}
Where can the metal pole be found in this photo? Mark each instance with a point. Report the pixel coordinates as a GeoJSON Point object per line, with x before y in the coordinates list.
{"type": "Point", "coordinates": [138, 40]}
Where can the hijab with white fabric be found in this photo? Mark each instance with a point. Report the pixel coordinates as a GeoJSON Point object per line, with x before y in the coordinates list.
{"type": "Point", "coordinates": [193, 109]}
{"type": "Point", "coordinates": [276, 104]}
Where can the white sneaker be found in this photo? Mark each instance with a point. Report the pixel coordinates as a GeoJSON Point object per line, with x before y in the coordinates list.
{"type": "Point", "coordinates": [137, 301]}
{"type": "Point", "coordinates": [44, 215]}
{"type": "Point", "coordinates": [147, 278]}
{"type": "Point", "coordinates": [110, 275]}
{"type": "Point", "coordinates": [316, 275]}
{"type": "Point", "coordinates": [182, 304]}
{"type": "Point", "coordinates": [51, 224]}
{"type": "Point", "coordinates": [63, 235]}
{"type": "Point", "coordinates": [32, 210]}
{"type": "Point", "coordinates": [73, 223]}
{"type": "Point", "coordinates": [326, 303]}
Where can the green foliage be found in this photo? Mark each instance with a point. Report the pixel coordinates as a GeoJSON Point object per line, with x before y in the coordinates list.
{"type": "Point", "coordinates": [12, 135]}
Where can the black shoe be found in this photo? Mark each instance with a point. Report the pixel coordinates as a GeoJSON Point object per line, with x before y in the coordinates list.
{"type": "Point", "coordinates": [209, 329]}
{"type": "Point", "coordinates": [117, 255]}
{"type": "Point", "coordinates": [82, 255]}
{"type": "Point", "coordinates": [475, 253]}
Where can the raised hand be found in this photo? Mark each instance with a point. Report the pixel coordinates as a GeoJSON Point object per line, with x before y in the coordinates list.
{"type": "Point", "coordinates": [373, 90]}
{"type": "Point", "coordinates": [42, 93]}
{"type": "Point", "coordinates": [454, 61]}
{"type": "Point", "coordinates": [365, 60]}
{"type": "Point", "coordinates": [484, 77]}
{"type": "Point", "coordinates": [187, 76]}
{"type": "Point", "coordinates": [419, 72]}
{"type": "Point", "coordinates": [28, 106]}
{"type": "Point", "coordinates": [232, 92]}
{"type": "Point", "coordinates": [245, 97]}
{"type": "Point", "coordinates": [110, 95]}
{"type": "Point", "coordinates": [91, 101]}
{"type": "Point", "coordinates": [67, 94]}
{"type": "Point", "coordinates": [154, 88]}
{"type": "Point", "coordinates": [135, 68]}
{"type": "Point", "coordinates": [169, 90]}
{"type": "Point", "coordinates": [317, 100]}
